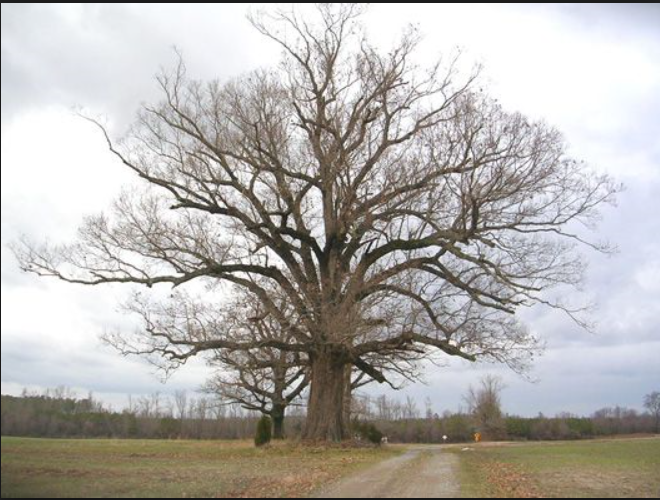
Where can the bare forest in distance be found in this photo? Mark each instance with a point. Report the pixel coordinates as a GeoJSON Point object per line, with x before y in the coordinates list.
{"type": "Point", "coordinates": [61, 413]}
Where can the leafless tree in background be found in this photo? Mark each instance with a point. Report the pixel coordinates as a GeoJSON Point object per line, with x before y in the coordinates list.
{"type": "Point", "coordinates": [398, 209]}
{"type": "Point", "coordinates": [652, 404]}
{"type": "Point", "coordinates": [251, 370]}
{"type": "Point", "coordinates": [181, 406]}
{"type": "Point", "coordinates": [269, 389]}
{"type": "Point", "coordinates": [267, 380]}
{"type": "Point", "coordinates": [485, 405]}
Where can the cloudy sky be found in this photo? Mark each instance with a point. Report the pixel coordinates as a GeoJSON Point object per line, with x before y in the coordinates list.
{"type": "Point", "coordinates": [592, 71]}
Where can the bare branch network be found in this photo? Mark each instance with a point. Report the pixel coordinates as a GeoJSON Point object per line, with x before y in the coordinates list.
{"type": "Point", "coordinates": [368, 210]}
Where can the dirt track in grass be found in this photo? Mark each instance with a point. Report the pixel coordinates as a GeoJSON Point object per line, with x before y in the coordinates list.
{"type": "Point", "coordinates": [425, 472]}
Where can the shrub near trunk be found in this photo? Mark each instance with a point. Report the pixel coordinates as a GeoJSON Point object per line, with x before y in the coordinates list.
{"type": "Point", "coordinates": [368, 431]}
{"type": "Point", "coordinates": [263, 434]}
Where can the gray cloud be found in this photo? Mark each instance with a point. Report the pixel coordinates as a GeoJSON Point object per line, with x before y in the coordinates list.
{"type": "Point", "coordinates": [105, 56]}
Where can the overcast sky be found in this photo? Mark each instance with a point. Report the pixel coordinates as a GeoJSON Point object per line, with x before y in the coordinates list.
{"type": "Point", "coordinates": [592, 71]}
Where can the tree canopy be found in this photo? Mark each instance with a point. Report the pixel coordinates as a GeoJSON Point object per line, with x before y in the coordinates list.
{"type": "Point", "coordinates": [375, 210]}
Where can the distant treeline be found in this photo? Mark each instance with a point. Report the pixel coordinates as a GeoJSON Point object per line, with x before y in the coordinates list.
{"type": "Point", "coordinates": [460, 427]}
{"type": "Point", "coordinates": [406, 423]}
{"type": "Point", "coordinates": [151, 417]}
{"type": "Point", "coordinates": [59, 413]}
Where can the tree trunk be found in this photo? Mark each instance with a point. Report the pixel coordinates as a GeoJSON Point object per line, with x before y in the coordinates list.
{"type": "Point", "coordinates": [278, 421]}
{"type": "Point", "coordinates": [325, 411]}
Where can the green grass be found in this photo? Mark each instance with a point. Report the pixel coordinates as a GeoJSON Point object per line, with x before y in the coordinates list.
{"type": "Point", "coordinates": [137, 468]}
{"type": "Point", "coordinates": [580, 469]}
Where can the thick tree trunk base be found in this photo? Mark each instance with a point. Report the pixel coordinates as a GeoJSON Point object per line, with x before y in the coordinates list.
{"type": "Point", "coordinates": [278, 425]}
{"type": "Point", "coordinates": [325, 411]}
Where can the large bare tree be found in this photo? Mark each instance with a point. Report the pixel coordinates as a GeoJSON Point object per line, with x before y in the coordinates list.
{"type": "Point", "coordinates": [398, 209]}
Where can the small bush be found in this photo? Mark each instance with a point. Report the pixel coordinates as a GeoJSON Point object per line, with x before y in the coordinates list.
{"type": "Point", "coordinates": [263, 434]}
{"type": "Point", "coordinates": [368, 431]}
{"type": "Point", "coordinates": [168, 428]}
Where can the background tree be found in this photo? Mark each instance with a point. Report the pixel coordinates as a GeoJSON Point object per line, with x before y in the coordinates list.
{"type": "Point", "coordinates": [266, 380]}
{"type": "Point", "coordinates": [652, 404]}
{"type": "Point", "coordinates": [485, 405]}
{"type": "Point", "coordinates": [397, 208]}
{"type": "Point", "coordinates": [250, 371]}
{"type": "Point", "coordinates": [181, 407]}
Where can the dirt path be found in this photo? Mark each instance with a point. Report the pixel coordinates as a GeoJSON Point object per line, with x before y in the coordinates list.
{"type": "Point", "coordinates": [420, 473]}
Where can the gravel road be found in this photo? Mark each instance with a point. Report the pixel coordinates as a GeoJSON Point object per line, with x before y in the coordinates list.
{"type": "Point", "coordinates": [420, 473]}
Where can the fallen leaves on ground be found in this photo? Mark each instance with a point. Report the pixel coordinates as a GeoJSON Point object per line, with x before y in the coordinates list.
{"type": "Point", "coordinates": [510, 481]}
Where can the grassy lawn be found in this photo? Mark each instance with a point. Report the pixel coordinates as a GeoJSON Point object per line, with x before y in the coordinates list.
{"type": "Point", "coordinates": [135, 468]}
{"type": "Point", "coordinates": [582, 469]}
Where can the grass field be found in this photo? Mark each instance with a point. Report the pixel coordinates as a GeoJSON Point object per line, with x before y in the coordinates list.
{"type": "Point", "coordinates": [132, 468]}
{"type": "Point", "coordinates": [580, 469]}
